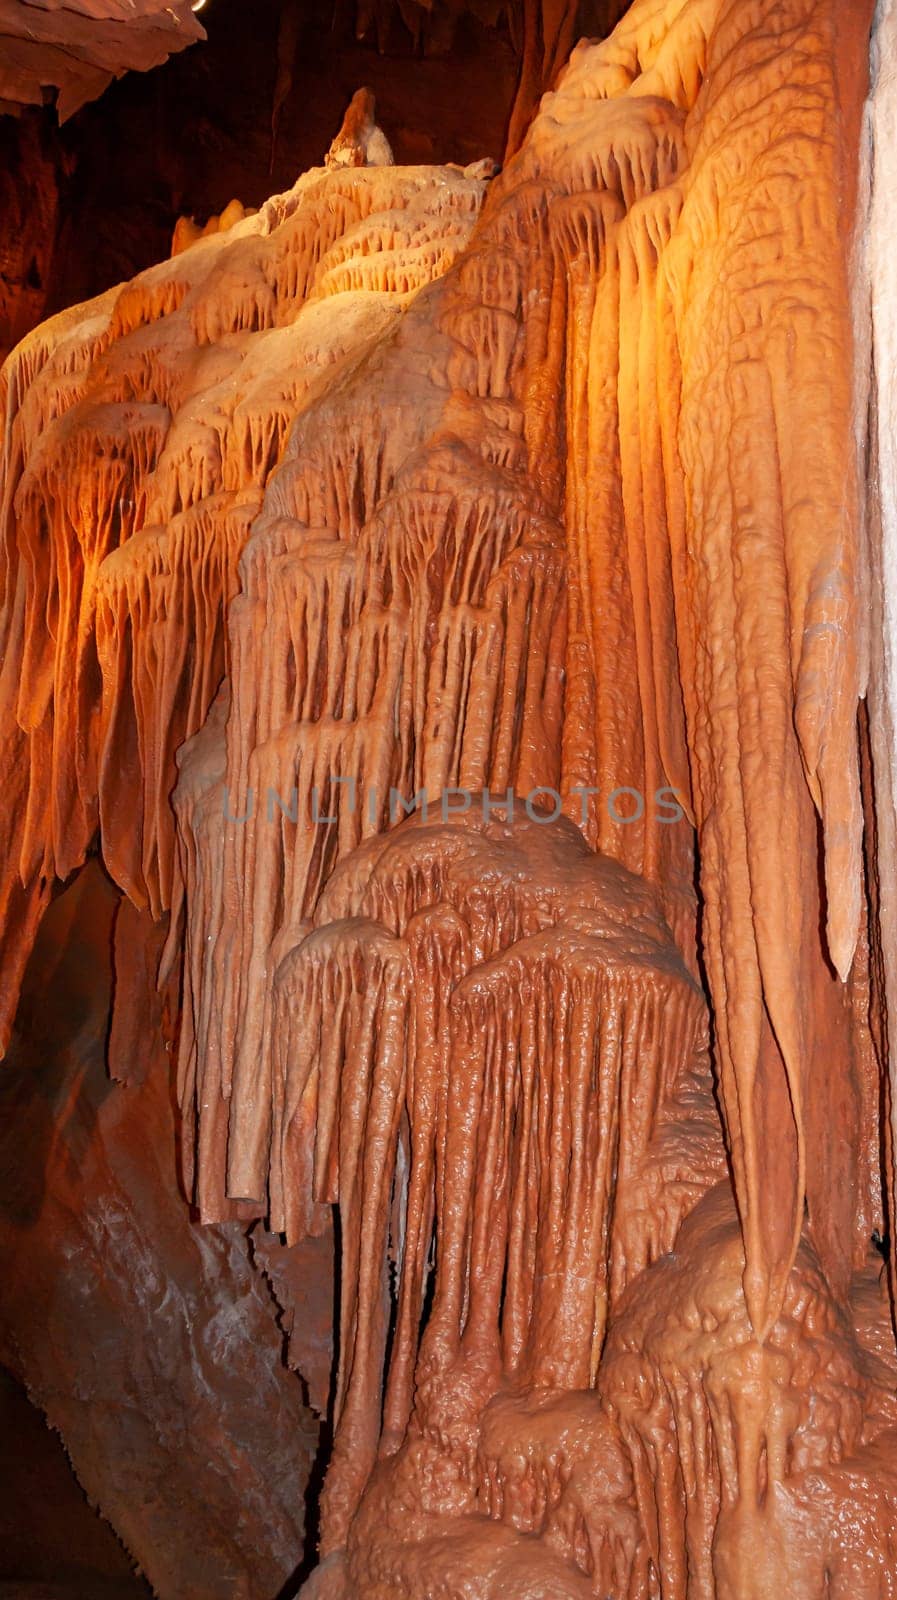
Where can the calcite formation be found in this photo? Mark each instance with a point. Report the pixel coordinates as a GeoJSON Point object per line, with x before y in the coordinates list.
{"type": "Point", "coordinates": [494, 1062]}
{"type": "Point", "coordinates": [446, 605]}
{"type": "Point", "coordinates": [359, 142]}
{"type": "Point", "coordinates": [187, 230]}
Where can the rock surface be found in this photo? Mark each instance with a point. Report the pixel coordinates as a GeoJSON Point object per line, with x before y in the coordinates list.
{"type": "Point", "coordinates": [78, 46]}
{"type": "Point", "coordinates": [534, 511]}
{"type": "Point", "coordinates": [150, 1343]}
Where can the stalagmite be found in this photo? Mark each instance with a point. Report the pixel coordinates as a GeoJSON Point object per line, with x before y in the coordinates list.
{"type": "Point", "coordinates": [360, 143]}
{"type": "Point", "coordinates": [468, 1075]}
{"type": "Point", "coordinates": [444, 601]}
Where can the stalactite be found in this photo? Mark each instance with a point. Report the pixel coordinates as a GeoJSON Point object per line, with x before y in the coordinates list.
{"type": "Point", "coordinates": [539, 522]}
{"type": "Point", "coordinates": [487, 1031]}
{"type": "Point", "coordinates": [776, 564]}
{"type": "Point", "coordinates": [139, 432]}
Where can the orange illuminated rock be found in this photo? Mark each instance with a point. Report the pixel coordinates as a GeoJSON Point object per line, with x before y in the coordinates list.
{"type": "Point", "coordinates": [448, 606]}
{"type": "Point", "coordinates": [151, 1343]}
{"type": "Point", "coordinates": [186, 231]}
{"type": "Point", "coordinates": [360, 143]}
{"type": "Point", "coordinates": [493, 1061]}
{"type": "Point", "coordinates": [140, 431]}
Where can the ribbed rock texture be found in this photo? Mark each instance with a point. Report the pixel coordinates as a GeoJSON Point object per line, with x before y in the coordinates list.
{"type": "Point", "coordinates": [446, 604]}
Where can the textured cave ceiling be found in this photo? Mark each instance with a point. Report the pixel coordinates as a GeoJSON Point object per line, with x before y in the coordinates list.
{"type": "Point", "coordinates": [76, 47]}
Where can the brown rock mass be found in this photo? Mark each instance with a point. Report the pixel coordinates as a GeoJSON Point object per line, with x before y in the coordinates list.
{"type": "Point", "coordinates": [78, 46]}
{"type": "Point", "coordinates": [446, 604]}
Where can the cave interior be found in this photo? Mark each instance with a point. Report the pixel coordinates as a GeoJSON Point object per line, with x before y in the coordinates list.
{"type": "Point", "coordinates": [448, 837]}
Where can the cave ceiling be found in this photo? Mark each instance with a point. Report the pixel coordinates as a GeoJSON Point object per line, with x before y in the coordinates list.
{"type": "Point", "coordinates": [76, 47]}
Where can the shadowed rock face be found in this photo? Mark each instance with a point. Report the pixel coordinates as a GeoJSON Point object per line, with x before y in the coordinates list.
{"type": "Point", "coordinates": [150, 1343]}
{"type": "Point", "coordinates": [75, 1553]}
{"type": "Point", "coordinates": [79, 47]}
{"type": "Point", "coordinates": [533, 510]}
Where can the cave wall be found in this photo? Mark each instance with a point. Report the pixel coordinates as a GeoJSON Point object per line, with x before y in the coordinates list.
{"type": "Point", "coordinates": [876, 295]}
{"type": "Point", "coordinates": [151, 1345]}
{"type": "Point", "coordinates": [530, 493]}
{"type": "Point", "coordinates": [70, 59]}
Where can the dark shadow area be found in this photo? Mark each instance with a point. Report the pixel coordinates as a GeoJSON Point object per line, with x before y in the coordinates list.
{"type": "Point", "coordinates": [146, 1340]}
{"type": "Point", "coordinates": [72, 1553]}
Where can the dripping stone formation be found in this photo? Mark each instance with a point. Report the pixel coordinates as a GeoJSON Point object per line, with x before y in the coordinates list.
{"type": "Point", "coordinates": [458, 612]}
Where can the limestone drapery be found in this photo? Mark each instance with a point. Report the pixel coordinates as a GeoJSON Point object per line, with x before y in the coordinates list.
{"type": "Point", "coordinates": [574, 508]}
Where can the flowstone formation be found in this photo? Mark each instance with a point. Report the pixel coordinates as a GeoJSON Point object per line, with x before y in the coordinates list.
{"type": "Point", "coordinates": [444, 605]}
{"type": "Point", "coordinates": [494, 1062]}
{"type": "Point", "coordinates": [139, 434]}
